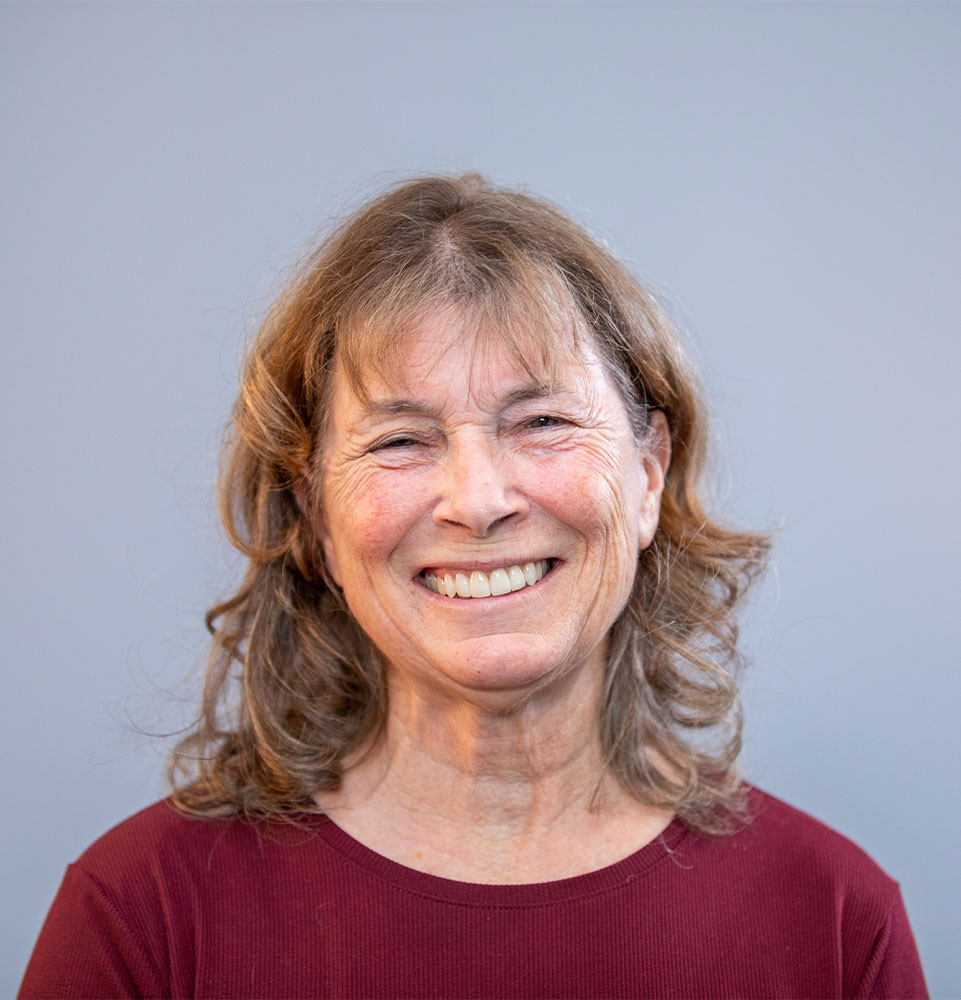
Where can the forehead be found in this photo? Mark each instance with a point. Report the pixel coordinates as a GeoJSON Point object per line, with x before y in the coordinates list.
{"type": "Point", "coordinates": [450, 350]}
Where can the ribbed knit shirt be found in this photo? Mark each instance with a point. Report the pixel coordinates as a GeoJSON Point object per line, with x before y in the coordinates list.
{"type": "Point", "coordinates": [170, 906]}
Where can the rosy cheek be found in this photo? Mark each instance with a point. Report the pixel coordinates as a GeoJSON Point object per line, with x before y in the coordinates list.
{"type": "Point", "coordinates": [580, 488]}
{"type": "Point", "coordinates": [576, 497]}
{"type": "Point", "coordinates": [377, 516]}
{"type": "Point", "coordinates": [591, 498]}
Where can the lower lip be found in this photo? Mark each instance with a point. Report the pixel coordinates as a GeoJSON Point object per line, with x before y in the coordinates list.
{"type": "Point", "coordinates": [502, 600]}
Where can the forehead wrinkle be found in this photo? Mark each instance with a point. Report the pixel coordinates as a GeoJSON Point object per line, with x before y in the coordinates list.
{"type": "Point", "coordinates": [389, 407]}
{"type": "Point", "coordinates": [371, 409]}
{"type": "Point", "coordinates": [402, 406]}
{"type": "Point", "coordinates": [533, 390]}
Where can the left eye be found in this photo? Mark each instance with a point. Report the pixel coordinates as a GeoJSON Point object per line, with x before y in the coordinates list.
{"type": "Point", "coordinates": [543, 421]}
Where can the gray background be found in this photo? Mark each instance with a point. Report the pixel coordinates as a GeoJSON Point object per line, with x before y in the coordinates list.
{"type": "Point", "coordinates": [786, 174]}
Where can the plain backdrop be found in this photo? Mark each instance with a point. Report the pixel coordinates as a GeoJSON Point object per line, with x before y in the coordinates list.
{"type": "Point", "coordinates": [785, 175]}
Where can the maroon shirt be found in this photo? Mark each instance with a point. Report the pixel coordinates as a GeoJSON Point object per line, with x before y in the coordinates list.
{"type": "Point", "coordinates": [169, 906]}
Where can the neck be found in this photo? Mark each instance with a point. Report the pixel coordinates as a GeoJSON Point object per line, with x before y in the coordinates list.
{"type": "Point", "coordinates": [506, 794]}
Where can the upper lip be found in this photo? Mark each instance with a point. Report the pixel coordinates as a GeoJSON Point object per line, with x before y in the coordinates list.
{"type": "Point", "coordinates": [483, 565]}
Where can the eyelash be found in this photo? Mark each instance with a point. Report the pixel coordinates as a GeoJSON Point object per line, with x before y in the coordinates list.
{"type": "Point", "coordinates": [407, 441]}
{"type": "Point", "coordinates": [533, 424]}
{"type": "Point", "coordinates": [397, 442]}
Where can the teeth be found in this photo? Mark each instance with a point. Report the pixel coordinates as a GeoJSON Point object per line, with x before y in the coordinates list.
{"type": "Point", "coordinates": [479, 584]}
{"type": "Point", "coordinates": [500, 583]}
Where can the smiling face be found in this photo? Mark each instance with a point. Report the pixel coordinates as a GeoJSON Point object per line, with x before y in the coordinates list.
{"type": "Point", "coordinates": [485, 524]}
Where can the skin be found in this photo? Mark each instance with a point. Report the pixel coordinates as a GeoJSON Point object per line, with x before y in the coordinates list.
{"type": "Point", "coordinates": [490, 766]}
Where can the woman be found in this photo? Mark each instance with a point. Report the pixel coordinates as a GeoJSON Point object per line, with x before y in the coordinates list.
{"type": "Point", "coordinates": [470, 725]}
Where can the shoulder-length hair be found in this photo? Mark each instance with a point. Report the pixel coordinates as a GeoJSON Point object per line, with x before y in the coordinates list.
{"type": "Point", "coordinates": [294, 687]}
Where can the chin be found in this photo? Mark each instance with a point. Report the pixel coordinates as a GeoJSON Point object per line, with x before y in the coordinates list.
{"type": "Point", "coordinates": [508, 673]}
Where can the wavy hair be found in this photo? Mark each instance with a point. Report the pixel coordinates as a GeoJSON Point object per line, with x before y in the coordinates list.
{"type": "Point", "coordinates": [293, 686]}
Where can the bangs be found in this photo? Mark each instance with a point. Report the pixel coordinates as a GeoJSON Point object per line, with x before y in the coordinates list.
{"type": "Point", "coordinates": [530, 313]}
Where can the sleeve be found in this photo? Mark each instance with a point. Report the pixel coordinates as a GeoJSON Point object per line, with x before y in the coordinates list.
{"type": "Point", "coordinates": [88, 949]}
{"type": "Point", "coordinates": [894, 969]}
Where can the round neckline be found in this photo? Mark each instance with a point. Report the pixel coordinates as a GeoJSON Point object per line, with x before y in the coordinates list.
{"type": "Point", "coordinates": [410, 880]}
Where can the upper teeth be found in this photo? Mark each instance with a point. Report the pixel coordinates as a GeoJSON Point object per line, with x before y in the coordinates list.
{"type": "Point", "coordinates": [493, 584]}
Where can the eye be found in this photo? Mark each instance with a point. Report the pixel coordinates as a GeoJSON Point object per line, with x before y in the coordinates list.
{"type": "Point", "coordinates": [395, 443]}
{"type": "Point", "coordinates": [543, 420]}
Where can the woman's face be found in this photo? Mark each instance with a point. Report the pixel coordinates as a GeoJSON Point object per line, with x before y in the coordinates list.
{"type": "Point", "coordinates": [464, 470]}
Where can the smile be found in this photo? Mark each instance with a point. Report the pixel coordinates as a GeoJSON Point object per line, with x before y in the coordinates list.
{"type": "Point", "coordinates": [475, 584]}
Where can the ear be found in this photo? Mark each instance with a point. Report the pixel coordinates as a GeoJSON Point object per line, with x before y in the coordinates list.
{"type": "Point", "coordinates": [316, 523]}
{"type": "Point", "coordinates": [655, 458]}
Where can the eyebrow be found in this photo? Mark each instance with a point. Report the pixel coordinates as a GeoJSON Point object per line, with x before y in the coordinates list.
{"type": "Point", "coordinates": [392, 406]}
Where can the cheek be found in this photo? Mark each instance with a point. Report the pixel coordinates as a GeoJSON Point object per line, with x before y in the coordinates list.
{"type": "Point", "coordinates": [597, 497]}
{"type": "Point", "coordinates": [368, 516]}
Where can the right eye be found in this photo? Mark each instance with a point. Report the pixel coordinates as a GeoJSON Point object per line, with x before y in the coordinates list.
{"type": "Point", "coordinates": [394, 443]}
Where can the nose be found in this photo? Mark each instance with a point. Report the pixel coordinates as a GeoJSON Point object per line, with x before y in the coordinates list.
{"type": "Point", "coordinates": [477, 489]}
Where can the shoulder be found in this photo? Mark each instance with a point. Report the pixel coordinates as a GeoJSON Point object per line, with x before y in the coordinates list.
{"type": "Point", "coordinates": [163, 872]}
{"type": "Point", "coordinates": [785, 847]}
{"type": "Point", "coordinates": [163, 853]}
{"type": "Point", "coordinates": [159, 833]}
{"type": "Point", "coordinates": [794, 836]}
{"type": "Point", "coordinates": [828, 877]}
{"type": "Point", "coordinates": [124, 908]}
{"type": "Point", "coordinates": [789, 888]}
{"type": "Point", "coordinates": [161, 822]}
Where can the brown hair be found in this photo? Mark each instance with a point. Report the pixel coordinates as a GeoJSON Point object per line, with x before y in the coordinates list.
{"type": "Point", "coordinates": [311, 682]}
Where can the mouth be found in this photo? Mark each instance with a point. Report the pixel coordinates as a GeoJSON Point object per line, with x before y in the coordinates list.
{"type": "Point", "coordinates": [476, 584]}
